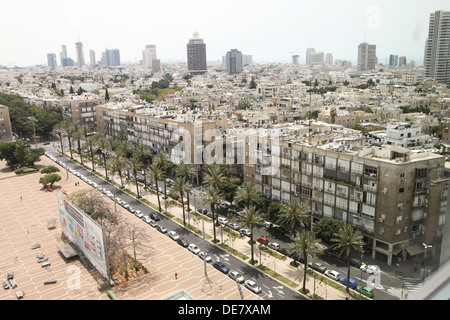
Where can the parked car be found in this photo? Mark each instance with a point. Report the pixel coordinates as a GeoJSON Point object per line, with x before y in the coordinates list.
{"type": "Point", "coordinates": [161, 228]}
{"type": "Point", "coordinates": [263, 240]}
{"type": "Point", "coordinates": [138, 214]}
{"type": "Point", "coordinates": [370, 269]}
{"type": "Point", "coordinates": [131, 209]}
{"type": "Point", "coordinates": [5, 285]}
{"type": "Point", "coordinates": [184, 201]}
{"type": "Point", "coordinates": [368, 292]}
{"type": "Point", "coordinates": [193, 248]}
{"type": "Point", "coordinates": [204, 256]}
{"type": "Point", "coordinates": [317, 266]}
{"type": "Point", "coordinates": [356, 263]}
{"type": "Point", "coordinates": [202, 211]}
{"type": "Point", "coordinates": [333, 274]}
{"type": "Point", "coordinates": [174, 235]}
{"type": "Point", "coordinates": [221, 267]}
{"type": "Point", "coordinates": [146, 219]}
{"type": "Point", "coordinates": [46, 143]}
{"type": "Point", "coordinates": [245, 232]}
{"type": "Point", "coordinates": [224, 205]}
{"type": "Point", "coordinates": [334, 254]}
{"type": "Point", "coordinates": [352, 283]}
{"type": "Point", "coordinates": [13, 283]}
{"type": "Point", "coordinates": [182, 242]}
{"type": "Point", "coordinates": [152, 222]}
{"type": "Point", "coordinates": [10, 275]}
{"type": "Point", "coordinates": [274, 246]}
{"type": "Point", "coordinates": [222, 220]}
{"type": "Point", "coordinates": [233, 225]}
{"type": "Point", "coordinates": [250, 284]}
{"type": "Point", "coordinates": [236, 276]}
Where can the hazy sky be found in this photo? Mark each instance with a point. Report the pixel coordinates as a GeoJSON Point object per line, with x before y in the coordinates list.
{"type": "Point", "coordinates": [267, 29]}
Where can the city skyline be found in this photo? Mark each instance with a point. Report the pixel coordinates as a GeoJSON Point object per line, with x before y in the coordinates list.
{"type": "Point", "coordinates": [268, 30]}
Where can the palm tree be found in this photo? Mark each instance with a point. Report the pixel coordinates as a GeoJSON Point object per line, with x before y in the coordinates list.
{"type": "Point", "coordinates": [213, 176]}
{"type": "Point", "coordinates": [163, 160]}
{"type": "Point", "coordinates": [143, 153]}
{"type": "Point", "coordinates": [119, 164]}
{"type": "Point", "coordinates": [157, 174]}
{"type": "Point", "coordinates": [60, 131]}
{"type": "Point", "coordinates": [90, 142]}
{"type": "Point", "coordinates": [135, 165]}
{"type": "Point", "coordinates": [78, 136]}
{"type": "Point", "coordinates": [249, 195]}
{"type": "Point", "coordinates": [305, 244]}
{"type": "Point", "coordinates": [70, 131]}
{"type": "Point", "coordinates": [251, 218]}
{"type": "Point", "coordinates": [293, 214]}
{"type": "Point", "coordinates": [103, 145]}
{"type": "Point", "coordinates": [187, 172]}
{"type": "Point", "coordinates": [213, 197]}
{"type": "Point", "coordinates": [347, 239]}
{"type": "Point", "coordinates": [182, 186]}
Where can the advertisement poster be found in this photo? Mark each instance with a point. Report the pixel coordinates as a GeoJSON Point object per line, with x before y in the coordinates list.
{"type": "Point", "coordinates": [84, 232]}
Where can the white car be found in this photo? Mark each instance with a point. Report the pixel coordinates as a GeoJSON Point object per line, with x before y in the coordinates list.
{"type": "Point", "coordinates": [236, 276]}
{"type": "Point", "coordinates": [245, 232]}
{"type": "Point", "coordinates": [233, 225]}
{"type": "Point", "coordinates": [174, 235]}
{"type": "Point", "coordinates": [223, 220]}
{"type": "Point", "coordinates": [152, 222]}
{"type": "Point", "coordinates": [193, 248]}
{"type": "Point", "coordinates": [204, 256]}
{"type": "Point", "coordinates": [138, 214]}
{"type": "Point", "coordinates": [250, 284]}
{"type": "Point", "coordinates": [333, 274]}
{"type": "Point", "coordinates": [274, 246]}
{"type": "Point", "coordinates": [370, 269]}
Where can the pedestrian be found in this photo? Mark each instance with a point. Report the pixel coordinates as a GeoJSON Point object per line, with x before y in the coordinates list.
{"type": "Point", "coordinates": [176, 275]}
{"type": "Point", "coordinates": [20, 198]}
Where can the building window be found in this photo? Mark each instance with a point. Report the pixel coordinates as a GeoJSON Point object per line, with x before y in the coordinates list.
{"type": "Point", "coordinates": [401, 190]}
{"type": "Point", "coordinates": [421, 173]}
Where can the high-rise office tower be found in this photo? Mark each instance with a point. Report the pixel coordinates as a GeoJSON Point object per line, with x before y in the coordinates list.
{"type": "Point", "coordinates": [393, 60]}
{"type": "Point", "coordinates": [105, 58]}
{"type": "Point", "coordinates": [196, 55]}
{"type": "Point", "coordinates": [51, 59]}
{"type": "Point", "coordinates": [114, 57]}
{"type": "Point", "coordinates": [92, 58]}
{"type": "Point", "coordinates": [367, 56]}
{"type": "Point", "coordinates": [80, 54]}
{"type": "Point", "coordinates": [234, 61]}
{"type": "Point", "coordinates": [308, 54]}
{"type": "Point", "coordinates": [148, 55]}
{"type": "Point", "coordinates": [437, 47]}
{"type": "Point", "coordinates": [63, 56]}
{"type": "Point", "coordinates": [402, 61]}
{"type": "Point", "coordinates": [247, 59]}
{"type": "Point", "coordinates": [295, 59]}
{"type": "Point", "coordinates": [316, 58]}
{"type": "Point", "coordinates": [329, 59]}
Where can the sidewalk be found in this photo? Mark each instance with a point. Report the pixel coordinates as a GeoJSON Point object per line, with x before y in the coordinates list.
{"type": "Point", "coordinates": [281, 267]}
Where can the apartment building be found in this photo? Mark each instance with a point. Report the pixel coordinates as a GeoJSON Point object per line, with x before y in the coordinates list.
{"type": "Point", "coordinates": [81, 109]}
{"type": "Point", "coordinates": [395, 197]}
{"type": "Point", "coordinates": [181, 135]}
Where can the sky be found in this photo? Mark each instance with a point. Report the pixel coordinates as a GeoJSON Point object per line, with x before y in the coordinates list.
{"type": "Point", "coordinates": [269, 30]}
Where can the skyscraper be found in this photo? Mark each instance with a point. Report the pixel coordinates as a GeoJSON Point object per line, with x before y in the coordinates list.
{"type": "Point", "coordinates": [234, 61]}
{"type": "Point", "coordinates": [402, 61]}
{"type": "Point", "coordinates": [316, 58]}
{"type": "Point", "coordinates": [308, 54]}
{"type": "Point", "coordinates": [329, 59]}
{"type": "Point", "coordinates": [92, 58]}
{"type": "Point", "coordinates": [51, 59]}
{"type": "Point", "coordinates": [63, 56]}
{"type": "Point", "coordinates": [148, 55]}
{"type": "Point", "coordinates": [196, 55]}
{"type": "Point", "coordinates": [80, 54]}
{"type": "Point", "coordinates": [295, 59]}
{"type": "Point", "coordinates": [367, 56]}
{"type": "Point", "coordinates": [437, 47]}
{"type": "Point", "coordinates": [114, 57]}
{"type": "Point", "coordinates": [393, 60]}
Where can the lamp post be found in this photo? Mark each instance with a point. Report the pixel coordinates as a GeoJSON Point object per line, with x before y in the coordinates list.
{"type": "Point", "coordinates": [425, 260]}
{"type": "Point", "coordinates": [33, 120]}
{"type": "Point", "coordinates": [203, 229]}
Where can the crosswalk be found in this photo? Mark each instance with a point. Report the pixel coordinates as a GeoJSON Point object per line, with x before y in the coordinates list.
{"type": "Point", "coordinates": [412, 285]}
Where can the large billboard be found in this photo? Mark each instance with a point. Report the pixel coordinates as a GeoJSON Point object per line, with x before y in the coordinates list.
{"type": "Point", "coordinates": [84, 232]}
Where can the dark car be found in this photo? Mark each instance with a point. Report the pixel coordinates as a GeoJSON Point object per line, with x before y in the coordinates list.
{"type": "Point", "coordinates": [280, 230]}
{"type": "Point", "coordinates": [46, 143]}
{"type": "Point", "coordinates": [317, 266]}
{"type": "Point", "coordinates": [221, 267]}
{"type": "Point", "coordinates": [154, 216]}
{"type": "Point", "coordinates": [182, 242]}
{"type": "Point", "coordinates": [356, 262]}
{"type": "Point", "coordinates": [334, 254]}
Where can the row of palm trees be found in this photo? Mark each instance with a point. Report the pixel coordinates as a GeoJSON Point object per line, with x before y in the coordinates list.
{"type": "Point", "coordinates": [126, 158]}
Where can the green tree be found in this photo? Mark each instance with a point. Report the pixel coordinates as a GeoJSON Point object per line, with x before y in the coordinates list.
{"type": "Point", "coordinates": [305, 245]}
{"type": "Point", "coordinates": [49, 169]}
{"type": "Point", "coordinates": [213, 197]}
{"type": "Point", "coordinates": [187, 172]}
{"type": "Point", "coordinates": [157, 174]}
{"type": "Point", "coordinates": [106, 94]}
{"type": "Point", "coordinates": [135, 165]}
{"type": "Point", "coordinates": [326, 228]}
{"type": "Point", "coordinates": [346, 240]}
{"type": "Point", "coordinates": [333, 114]}
{"type": "Point", "coordinates": [252, 84]}
{"type": "Point", "coordinates": [182, 187]}
{"type": "Point", "coordinates": [49, 179]}
{"type": "Point", "coordinates": [228, 188]}
{"type": "Point", "coordinates": [251, 218]}
{"type": "Point", "coordinates": [248, 195]}
{"type": "Point", "coordinates": [293, 214]}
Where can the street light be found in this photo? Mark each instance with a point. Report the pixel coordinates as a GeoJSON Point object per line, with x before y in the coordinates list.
{"type": "Point", "coordinates": [425, 260]}
{"type": "Point", "coordinates": [203, 227]}
{"type": "Point", "coordinates": [33, 120]}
